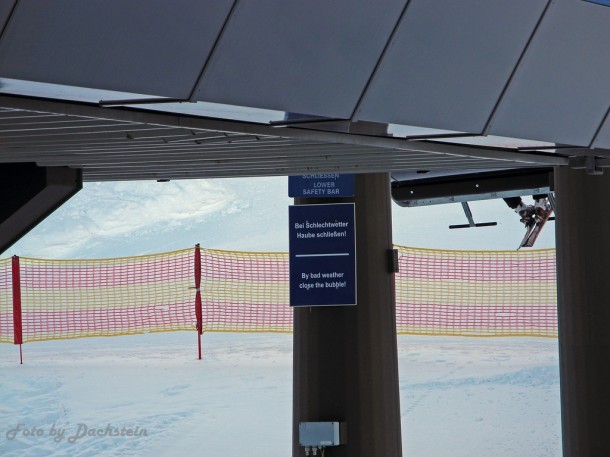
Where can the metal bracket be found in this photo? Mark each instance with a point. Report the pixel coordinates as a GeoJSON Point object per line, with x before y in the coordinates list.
{"type": "Point", "coordinates": [591, 164]}
{"type": "Point", "coordinates": [471, 222]}
{"type": "Point", "coordinates": [393, 266]}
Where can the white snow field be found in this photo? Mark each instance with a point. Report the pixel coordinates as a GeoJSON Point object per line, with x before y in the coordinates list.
{"type": "Point", "coordinates": [148, 395]}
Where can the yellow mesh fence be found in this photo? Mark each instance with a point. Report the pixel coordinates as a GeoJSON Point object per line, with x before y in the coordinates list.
{"type": "Point", "coordinates": [245, 291]}
{"type": "Point", "coordinates": [476, 293]}
{"type": "Point", "coordinates": [438, 292]}
{"type": "Point", "coordinates": [107, 297]}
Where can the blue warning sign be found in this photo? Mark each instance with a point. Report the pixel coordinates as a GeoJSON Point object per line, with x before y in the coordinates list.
{"type": "Point", "coordinates": [322, 255]}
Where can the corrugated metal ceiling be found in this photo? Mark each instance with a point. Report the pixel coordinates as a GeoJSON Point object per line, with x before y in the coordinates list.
{"type": "Point", "coordinates": [117, 144]}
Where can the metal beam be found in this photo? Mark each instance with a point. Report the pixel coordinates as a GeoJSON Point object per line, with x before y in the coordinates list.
{"type": "Point", "coordinates": [29, 195]}
{"type": "Point", "coordinates": [478, 186]}
{"type": "Point", "coordinates": [202, 123]}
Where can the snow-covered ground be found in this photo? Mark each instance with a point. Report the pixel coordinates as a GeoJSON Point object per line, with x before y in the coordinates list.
{"type": "Point", "coordinates": [460, 397]}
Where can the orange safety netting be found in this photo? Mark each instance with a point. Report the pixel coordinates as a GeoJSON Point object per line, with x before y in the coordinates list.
{"type": "Point", "coordinates": [459, 293]}
{"type": "Point", "coordinates": [106, 297]}
{"type": "Point", "coordinates": [476, 293]}
{"type": "Point", "coordinates": [245, 292]}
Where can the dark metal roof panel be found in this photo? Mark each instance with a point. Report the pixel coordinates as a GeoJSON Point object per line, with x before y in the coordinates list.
{"type": "Point", "coordinates": [602, 139]}
{"type": "Point", "coordinates": [474, 66]}
{"type": "Point", "coordinates": [561, 92]}
{"type": "Point", "coordinates": [154, 47]}
{"type": "Point", "coordinates": [448, 63]}
{"type": "Point", "coordinates": [6, 7]}
{"type": "Point", "coordinates": [312, 57]}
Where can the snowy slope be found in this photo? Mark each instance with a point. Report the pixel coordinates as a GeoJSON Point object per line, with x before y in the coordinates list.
{"type": "Point", "coordinates": [131, 218]}
{"type": "Point", "coordinates": [460, 397]}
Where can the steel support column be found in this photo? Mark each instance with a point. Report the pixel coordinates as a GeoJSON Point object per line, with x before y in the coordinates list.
{"type": "Point", "coordinates": [583, 267]}
{"type": "Point", "coordinates": [345, 358]}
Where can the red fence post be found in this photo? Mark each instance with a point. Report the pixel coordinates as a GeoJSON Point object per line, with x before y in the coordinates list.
{"type": "Point", "coordinates": [198, 310]}
{"type": "Point", "coordinates": [17, 321]}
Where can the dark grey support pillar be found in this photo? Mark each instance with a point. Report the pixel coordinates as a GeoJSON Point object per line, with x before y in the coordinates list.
{"type": "Point", "coordinates": [583, 282]}
{"type": "Point", "coordinates": [345, 358]}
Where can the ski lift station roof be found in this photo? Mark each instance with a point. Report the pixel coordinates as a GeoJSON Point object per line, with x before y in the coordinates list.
{"type": "Point", "coordinates": [163, 89]}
